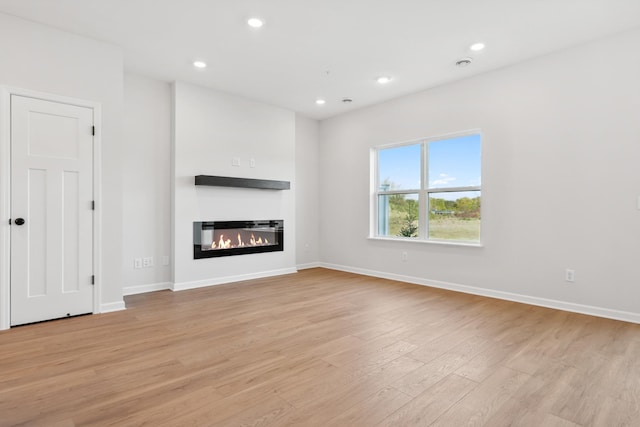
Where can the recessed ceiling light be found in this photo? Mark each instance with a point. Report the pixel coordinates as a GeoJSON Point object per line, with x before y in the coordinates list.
{"type": "Point", "coordinates": [476, 47]}
{"type": "Point", "coordinates": [383, 80]}
{"type": "Point", "coordinates": [464, 62]}
{"type": "Point", "coordinates": [320, 101]}
{"type": "Point", "coordinates": [255, 22]}
{"type": "Point", "coordinates": [199, 64]}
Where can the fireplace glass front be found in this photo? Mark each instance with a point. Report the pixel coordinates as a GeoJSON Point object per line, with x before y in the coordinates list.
{"type": "Point", "coordinates": [226, 238]}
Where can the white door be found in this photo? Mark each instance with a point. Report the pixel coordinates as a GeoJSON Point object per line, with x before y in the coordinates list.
{"type": "Point", "coordinates": [51, 210]}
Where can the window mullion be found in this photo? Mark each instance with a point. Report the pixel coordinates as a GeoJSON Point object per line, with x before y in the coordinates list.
{"type": "Point", "coordinates": [454, 189]}
{"type": "Point", "coordinates": [390, 193]}
{"type": "Point", "coordinates": [374, 216]}
{"type": "Point", "coordinates": [423, 199]}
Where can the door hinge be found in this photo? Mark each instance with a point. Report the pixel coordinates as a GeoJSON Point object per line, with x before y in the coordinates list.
{"type": "Point", "coordinates": [93, 130]}
{"type": "Point", "coordinates": [93, 205]}
{"type": "Point", "coordinates": [93, 279]}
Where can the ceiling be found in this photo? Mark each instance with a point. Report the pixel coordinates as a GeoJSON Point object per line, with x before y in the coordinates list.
{"type": "Point", "coordinates": [329, 49]}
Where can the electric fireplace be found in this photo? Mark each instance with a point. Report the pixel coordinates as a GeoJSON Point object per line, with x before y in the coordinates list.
{"type": "Point", "coordinates": [225, 238]}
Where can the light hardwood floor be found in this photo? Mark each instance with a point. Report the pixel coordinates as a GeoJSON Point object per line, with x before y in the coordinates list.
{"type": "Point", "coordinates": [321, 348]}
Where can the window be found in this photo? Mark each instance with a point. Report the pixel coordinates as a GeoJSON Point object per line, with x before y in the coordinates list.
{"type": "Point", "coordinates": [429, 190]}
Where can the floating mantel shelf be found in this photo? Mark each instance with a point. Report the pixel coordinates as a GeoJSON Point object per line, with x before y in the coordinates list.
{"type": "Point", "coordinates": [228, 181]}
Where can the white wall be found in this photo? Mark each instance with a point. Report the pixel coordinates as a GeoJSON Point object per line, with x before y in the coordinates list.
{"type": "Point", "coordinates": [210, 129]}
{"type": "Point", "coordinates": [560, 180]}
{"type": "Point", "coordinates": [146, 182]}
{"type": "Point", "coordinates": [307, 192]}
{"type": "Point", "coordinates": [41, 58]}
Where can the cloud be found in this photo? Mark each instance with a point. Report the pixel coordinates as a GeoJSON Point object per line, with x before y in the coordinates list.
{"type": "Point", "coordinates": [444, 180]}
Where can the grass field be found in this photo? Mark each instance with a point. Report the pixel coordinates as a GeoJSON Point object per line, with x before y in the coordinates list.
{"type": "Point", "coordinates": [440, 227]}
{"type": "Point", "coordinates": [454, 229]}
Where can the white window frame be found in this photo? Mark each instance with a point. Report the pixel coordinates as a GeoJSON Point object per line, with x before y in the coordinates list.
{"type": "Point", "coordinates": [424, 192]}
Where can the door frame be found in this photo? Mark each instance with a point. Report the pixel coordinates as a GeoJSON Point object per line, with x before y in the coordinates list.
{"type": "Point", "coordinates": [5, 193]}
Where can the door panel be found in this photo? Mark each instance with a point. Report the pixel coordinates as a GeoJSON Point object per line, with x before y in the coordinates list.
{"type": "Point", "coordinates": [70, 236]}
{"type": "Point", "coordinates": [36, 241]}
{"type": "Point", "coordinates": [48, 135]}
{"type": "Point", "coordinates": [52, 189]}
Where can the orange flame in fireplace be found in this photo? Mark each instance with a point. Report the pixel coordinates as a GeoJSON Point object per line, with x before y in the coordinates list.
{"type": "Point", "coordinates": [224, 243]}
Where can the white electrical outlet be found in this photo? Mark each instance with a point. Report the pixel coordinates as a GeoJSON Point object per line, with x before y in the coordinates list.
{"type": "Point", "coordinates": [235, 161]}
{"type": "Point", "coordinates": [147, 262]}
{"type": "Point", "coordinates": [570, 275]}
{"type": "Point", "coordinates": [252, 163]}
{"type": "Point", "coordinates": [137, 263]}
{"type": "Point", "coordinates": [404, 256]}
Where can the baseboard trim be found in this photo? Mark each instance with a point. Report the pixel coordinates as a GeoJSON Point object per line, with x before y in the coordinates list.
{"type": "Point", "coordinates": [112, 306]}
{"type": "Point", "coordinates": [525, 299]}
{"type": "Point", "coordinates": [308, 265]}
{"type": "Point", "coordinates": [143, 289]}
{"type": "Point", "coordinates": [230, 279]}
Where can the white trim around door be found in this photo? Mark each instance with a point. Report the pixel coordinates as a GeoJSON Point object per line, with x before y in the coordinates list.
{"type": "Point", "coordinates": [5, 194]}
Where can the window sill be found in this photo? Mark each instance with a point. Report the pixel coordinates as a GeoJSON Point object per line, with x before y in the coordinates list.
{"type": "Point", "coordinates": [428, 242]}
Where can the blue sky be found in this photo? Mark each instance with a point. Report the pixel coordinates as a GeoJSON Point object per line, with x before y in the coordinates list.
{"type": "Point", "coordinates": [453, 162]}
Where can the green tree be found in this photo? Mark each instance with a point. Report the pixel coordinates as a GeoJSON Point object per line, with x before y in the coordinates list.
{"type": "Point", "coordinates": [410, 227]}
{"type": "Point", "coordinates": [468, 208]}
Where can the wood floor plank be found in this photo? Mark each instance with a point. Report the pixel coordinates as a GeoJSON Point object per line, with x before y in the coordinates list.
{"type": "Point", "coordinates": [324, 399]}
{"type": "Point", "coordinates": [268, 412]}
{"type": "Point", "coordinates": [372, 410]}
{"type": "Point", "coordinates": [514, 413]}
{"type": "Point", "coordinates": [440, 367]}
{"type": "Point", "coordinates": [486, 361]}
{"type": "Point", "coordinates": [477, 407]}
{"type": "Point", "coordinates": [385, 348]}
{"type": "Point", "coordinates": [321, 348]}
{"type": "Point", "coordinates": [427, 406]}
{"type": "Point", "coordinates": [344, 382]}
